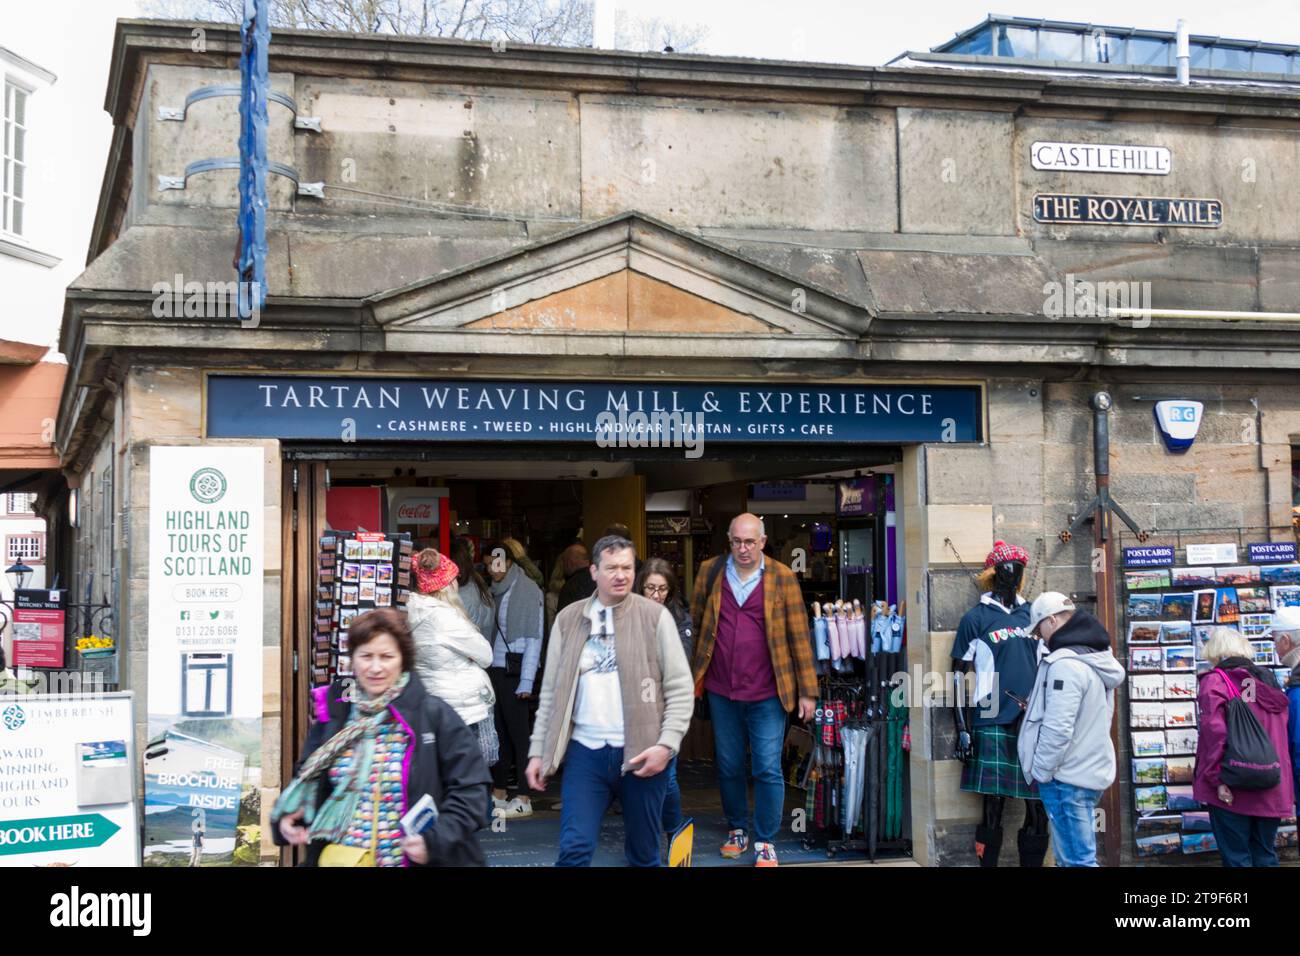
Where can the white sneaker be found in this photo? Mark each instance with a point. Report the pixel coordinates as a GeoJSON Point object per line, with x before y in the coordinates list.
{"type": "Point", "coordinates": [499, 804]}
{"type": "Point", "coordinates": [518, 808]}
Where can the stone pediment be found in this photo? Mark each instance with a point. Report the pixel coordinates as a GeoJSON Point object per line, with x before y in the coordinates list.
{"type": "Point", "coordinates": [627, 275]}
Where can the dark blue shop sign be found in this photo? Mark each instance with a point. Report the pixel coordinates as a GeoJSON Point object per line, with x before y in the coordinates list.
{"type": "Point", "coordinates": [425, 410]}
{"type": "Point", "coordinates": [1272, 552]}
{"type": "Point", "coordinates": [1152, 557]}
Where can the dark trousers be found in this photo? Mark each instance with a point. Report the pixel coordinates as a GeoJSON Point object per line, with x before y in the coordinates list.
{"type": "Point", "coordinates": [512, 719]}
{"type": "Point", "coordinates": [592, 778]}
{"type": "Point", "coordinates": [672, 799]}
{"type": "Point", "coordinates": [1243, 840]}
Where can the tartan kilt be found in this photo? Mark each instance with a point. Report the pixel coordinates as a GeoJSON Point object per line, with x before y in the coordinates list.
{"type": "Point", "coordinates": [994, 767]}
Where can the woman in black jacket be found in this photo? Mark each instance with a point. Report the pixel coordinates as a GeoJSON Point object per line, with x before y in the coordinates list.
{"type": "Point", "coordinates": [657, 581]}
{"type": "Point", "coordinates": [375, 750]}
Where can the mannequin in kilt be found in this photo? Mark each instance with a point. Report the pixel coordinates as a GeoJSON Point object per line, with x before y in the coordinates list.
{"type": "Point", "coordinates": [994, 643]}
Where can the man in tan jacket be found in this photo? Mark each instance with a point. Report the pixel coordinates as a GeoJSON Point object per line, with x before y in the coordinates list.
{"type": "Point", "coordinates": [616, 683]}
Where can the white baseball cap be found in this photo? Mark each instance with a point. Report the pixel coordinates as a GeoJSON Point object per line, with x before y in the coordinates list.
{"type": "Point", "coordinates": [1047, 604]}
{"type": "Point", "coordinates": [1285, 619]}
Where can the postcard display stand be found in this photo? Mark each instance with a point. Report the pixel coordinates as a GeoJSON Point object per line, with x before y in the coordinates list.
{"type": "Point", "coordinates": [1168, 614]}
{"type": "Point", "coordinates": [356, 572]}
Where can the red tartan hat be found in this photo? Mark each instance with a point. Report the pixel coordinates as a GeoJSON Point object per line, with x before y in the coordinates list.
{"type": "Point", "coordinates": [1006, 552]}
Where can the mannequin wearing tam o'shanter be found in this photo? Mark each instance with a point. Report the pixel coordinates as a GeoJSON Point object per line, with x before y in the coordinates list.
{"type": "Point", "coordinates": [994, 641]}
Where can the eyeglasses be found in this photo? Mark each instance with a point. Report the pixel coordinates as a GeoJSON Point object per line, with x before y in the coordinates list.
{"type": "Point", "coordinates": [744, 543]}
{"type": "Point", "coordinates": [656, 589]}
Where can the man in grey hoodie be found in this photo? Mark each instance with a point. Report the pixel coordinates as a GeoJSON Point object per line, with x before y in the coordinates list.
{"type": "Point", "coordinates": [1065, 741]}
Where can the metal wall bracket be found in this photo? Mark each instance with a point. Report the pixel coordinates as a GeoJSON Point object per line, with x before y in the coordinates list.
{"type": "Point", "coordinates": [311, 123]}
{"type": "Point", "coordinates": [232, 162]}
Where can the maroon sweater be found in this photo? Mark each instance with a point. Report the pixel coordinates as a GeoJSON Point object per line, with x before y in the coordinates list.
{"type": "Point", "coordinates": [742, 662]}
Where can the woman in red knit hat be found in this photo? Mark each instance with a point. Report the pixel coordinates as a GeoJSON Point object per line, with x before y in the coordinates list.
{"type": "Point", "coordinates": [451, 656]}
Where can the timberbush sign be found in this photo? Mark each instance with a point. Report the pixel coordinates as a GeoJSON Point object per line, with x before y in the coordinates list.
{"type": "Point", "coordinates": [397, 409]}
{"type": "Point", "coordinates": [1128, 210]}
{"type": "Point", "coordinates": [67, 781]}
{"type": "Point", "coordinates": [1101, 158]}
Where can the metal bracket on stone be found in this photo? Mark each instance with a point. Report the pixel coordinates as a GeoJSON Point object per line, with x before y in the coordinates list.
{"type": "Point", "coordinates": [232, 162]}
{"type": "Point", "coordinates": [311, 123]}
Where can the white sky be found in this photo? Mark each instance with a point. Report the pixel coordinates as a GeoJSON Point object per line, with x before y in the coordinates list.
{"type": "Point", "coordinates": [73, 38]}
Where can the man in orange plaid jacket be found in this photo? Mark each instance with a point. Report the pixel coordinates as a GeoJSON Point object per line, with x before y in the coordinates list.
{"type": "Point", "coordinates": [754, 662]}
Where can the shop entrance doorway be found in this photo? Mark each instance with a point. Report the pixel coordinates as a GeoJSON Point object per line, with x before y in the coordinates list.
{"type": "Point", "coordinates": [830, 520]}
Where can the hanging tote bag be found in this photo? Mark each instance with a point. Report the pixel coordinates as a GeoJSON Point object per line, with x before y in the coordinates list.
{"type": "Point", "coordinates": [1249, 758]}
{"type": "Point", "coordinates": [339, 854]}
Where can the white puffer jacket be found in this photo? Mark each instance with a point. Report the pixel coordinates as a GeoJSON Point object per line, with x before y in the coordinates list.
{"type": "Point", "coordinates": [451, 657]}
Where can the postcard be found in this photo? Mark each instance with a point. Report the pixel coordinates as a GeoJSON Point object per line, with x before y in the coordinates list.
{"type": "Point", "coordinates": [1254, 600]}
{"type": "Point", "coordinates": [343, 643]}
{"type": "Point", "coordinates": [1176, 606]}
{"type": "Point", "coordinates": [1199, 843]}
{"type": "Point", "coordinates": [345, 665]}
{"type": "Point", "coordinates": [383, 596]}
{"type": "Point", "coordinates": [1265, 653]}
{"type": "Point", "coordinates": [1203, 606]}
{"type": "Point", "coordinates": [1280, 574]}
{"type": "Point", "coordinates": [1146, 687]}
{"type": "Point", "coordinates": [1225, 606]}
{"type": "Point", "coordinates": [1146, 716]}
{"type": "Point", "coordinates": [384, 574]}
{"type": "Point", "coordinates": [1144, 607]}
{"type": "Point", "coordinates": [351, 572]}
{"type": "Point", "coordinates": [1146, 659]}
{"type": "Point", "coordinates": [1282, 675]}
{"type": "Point", "coordinates": [1256, 625]}
{"type": "Point", "coordinates": [1286, 836]}
{"type": "Point", "coordinates": [1200, 636]}
{"type": "Point", "coordinates": [1144, 632]}
{"type": "Point", "coordinates": [328, 542]}
{"type": "Point", "coordinates": [367, 592]}
{"type": "Point", "coordinates": [352, 549]}
{"type": "Point", "coordinates": [1192, 577]}
{"type": "Point", "coordinates": [1149, 771]}
{"type": "Point", "coordinates": [1180, 658]}
{"type": "Point", "coordinates": [349, 597]}
{"type": "Point", "coordinates": [327, 560]}
{"type": "Point", "coordinates": [1148, 743]}
{"type": "Point", "coordinates": [1146, 579]}
{"type": "Point", "coordinates": [1179, 687]}
{"type": "Point", "coordinates": [1176, 632]}
{"type": "Point", "coordinates": [367, 572]}
{"type": "Point", "coordinates": [1180, 714]}
{"type": "Point", "coordinates": [1159, 844]}
{"type": "Point", "coordinates": [1244, 574]}
{"type": "Point", "coordinates": [1179, 797]}
{"type": "Point", "coordinates": [1180, 742]}
{"type": "Point", "coordinates": [1286, 595]}
{"type": "Point", "coordinates": [1150, 798]}
{"type": "Point", "coordinates": [1180, 769]}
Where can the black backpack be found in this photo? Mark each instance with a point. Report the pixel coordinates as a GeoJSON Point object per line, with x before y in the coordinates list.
{"type": "Point", "coordinates": [1250, 760]}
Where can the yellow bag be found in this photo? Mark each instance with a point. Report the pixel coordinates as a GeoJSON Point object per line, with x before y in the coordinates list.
{"type": "Point", "coordinates": [338, 854]}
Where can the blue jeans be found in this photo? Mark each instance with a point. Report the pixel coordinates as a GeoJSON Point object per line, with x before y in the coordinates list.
{"type": "Point", "coordinates": [672, 799]}
{"type": "Point", "coordinates": [591, 780]}
{"type": "Point", "coordinates": [1243, 840]}
{"type": "Point", "coordinates": [1070, 810]}
{"type": "Point", "coordinates": [761, 723]}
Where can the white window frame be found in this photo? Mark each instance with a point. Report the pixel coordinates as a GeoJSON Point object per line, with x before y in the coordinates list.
{"type": "Point", "coordinates": [13, 539]}
{"type": "Point", "coordinates": [10, 503]}
{"type": "Point", "coordinates": [9, 162]}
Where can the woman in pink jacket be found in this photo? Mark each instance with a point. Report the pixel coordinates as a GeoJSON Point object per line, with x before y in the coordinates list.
{"type": "Point", "coordinates": [1245, 821]}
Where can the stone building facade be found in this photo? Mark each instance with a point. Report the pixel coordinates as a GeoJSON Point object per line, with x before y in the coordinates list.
{"type": "Point", "coordinates": [569, 214]}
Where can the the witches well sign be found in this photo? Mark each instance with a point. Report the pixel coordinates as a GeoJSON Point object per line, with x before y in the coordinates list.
{"type": "Point", "coordinates": [424, 410]}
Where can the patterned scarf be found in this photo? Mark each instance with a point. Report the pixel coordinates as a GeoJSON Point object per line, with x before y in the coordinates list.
{"type": "Point", "coordinates": [332, 820]}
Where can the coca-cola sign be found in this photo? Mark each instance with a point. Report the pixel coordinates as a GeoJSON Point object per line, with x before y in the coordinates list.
{"type": "Point", "coordinates": [423, 512]}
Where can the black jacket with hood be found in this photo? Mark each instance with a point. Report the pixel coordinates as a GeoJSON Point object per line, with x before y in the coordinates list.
{"type": "Point", "coordinates": [444, 761]}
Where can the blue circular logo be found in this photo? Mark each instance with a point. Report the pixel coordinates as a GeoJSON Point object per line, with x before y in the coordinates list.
{"type": "Point", "coordinates": [14, 717]}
